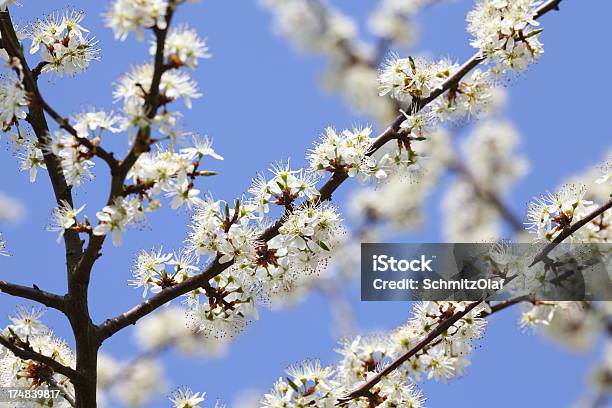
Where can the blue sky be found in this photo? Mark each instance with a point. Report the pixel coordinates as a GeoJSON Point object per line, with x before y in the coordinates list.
{"type": "Point", "coordinates": [262, 103]}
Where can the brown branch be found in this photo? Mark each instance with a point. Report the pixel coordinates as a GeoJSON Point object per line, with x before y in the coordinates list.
{"type": "Point", "coordinates": [37, 70]}
{"type": "Point", "coordinates": [111, 326]}
{"type": "Point", "coordinates": [137, 188]}
{"type": "Point", "coordinates": [542, 256]}
{"type": "Point", "coordinates": [444, 325]}
{"type": "Point", "coordinates": [33, 293]}
{"type": "Point", "coordinates": [498, 307]}
{"type": "Point", "coordinates": [24, 351]}
{"type": "Point", "coordinates": [363, 390]}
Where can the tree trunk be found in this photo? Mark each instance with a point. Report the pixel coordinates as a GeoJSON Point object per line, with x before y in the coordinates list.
{"type": "Point", "coordinates": [87, 345]}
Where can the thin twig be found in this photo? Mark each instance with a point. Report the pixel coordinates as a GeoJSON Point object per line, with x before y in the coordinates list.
{"type": "Point", "coordinates": [34, 293]}
{"type": "Point", "coordinates": [362, 390]}
{"type": "Point", "coordinates": [37, 70]}
{"type": "Point", "coordinates": [439, 330]}
{"type": "Point", "coordinates": [22, 350]}
{"type": "Point", "coordinates": [498, 307]}
{"type": "Point", "coordinates": [542, 256]}
{"type": "Point", "coordinates": [67, 396]}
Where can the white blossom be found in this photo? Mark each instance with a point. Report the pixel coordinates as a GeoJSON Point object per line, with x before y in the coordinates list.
{"type": "Point", "coordinates": [202, 146]}
{"type": "Point", "coordinates": [31, 159]}
{"type": "Point", "coordinates": [74, 157]}
{"type": "Point", "coordinates": [185, 398]}
{"type": "Point", "coordinates": [283, 188]}
{"type": "Point", "coordinates": [174, 85]}
{"type": "Point", "coordinates": [183, 47]}
{"type": "Point", "coordinates": [13, 103]}
{"type": "Point", "coordinates": [407, 78]}
{"type": "Point", "coordinates": [114, 218]}
{"type": "Point", "coordinates": [63, 43]}
{"type": "Point", "coordinates": [347, 152]}
{"type": "Point", "coordinates": [64, 218]}
{"type": "Point", "coordinates": [27, 321]}
{"type": "Point", "coordinates": [548, 215]}
{"type": "Point", "coordinates": [125, 16]}
{"type": "Point", "coordinates": [506, 32]}
{"type": "Point", "coordinates": [87, 122]}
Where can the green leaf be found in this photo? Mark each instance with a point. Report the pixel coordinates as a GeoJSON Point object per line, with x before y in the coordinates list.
{"type": "Point", "coordinates": [292, 385]}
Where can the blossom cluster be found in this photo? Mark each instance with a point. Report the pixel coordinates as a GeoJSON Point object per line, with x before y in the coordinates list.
{"type": "Point", "coordinates": [27, 329]}
{"type": "Point", "coordinates": [405, 79]}
{"type": "Point", "coordinates": [550, 214]}
{"type": "Point", "coordinates": [74, 157]}
{"type": "Point", "coordinates": [133, 86]}
{"type": "Point", "coordinates": [260, 270]}
{"type": "Point", "coordinates": [153, 173]}
{"type": "Point", "coordinates": [306, 236]}
{"type": "Point", "coordinates": [31, 156]}
{"type": "Point", "coordinates": [470, 97]}
{"type": "Point", "coordinates": [64, 44]}
{"type": "Point", "coordinates": [347, 152]}
{"type": "Point", "coordinates": [173, 172]}
{"type": "Point", "coordinates": [183, 47]}
{"type": "Point", "coordinates": [506, 32]}
{"type": "Point", "coordinates": [125, 16]}
{"type": "Point", "coordinates": [309, 383]}
{"type": "Point", "coordinates": [574, 324]}
{"type": "Point", "coordinates": [216, 228]}
{"type": "Point", "coordinates": [87, 122]}
{"type": "Point", "coordinates": [285, 186]}
{"type": "Point", "coordinates": [254, 269]}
